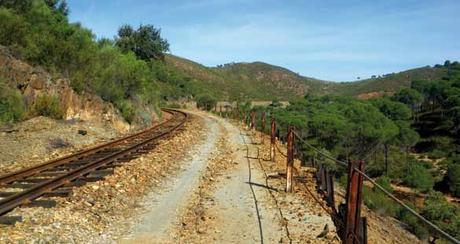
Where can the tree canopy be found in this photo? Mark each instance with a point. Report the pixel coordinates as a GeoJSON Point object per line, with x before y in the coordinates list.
{"type": "Point", "coordinates": [146, 42]}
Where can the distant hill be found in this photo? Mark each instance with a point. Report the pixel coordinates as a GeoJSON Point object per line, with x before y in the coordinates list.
{"type": "Point", "coordinates": [262, 81]}
{"type": "Point", "coordinates": [386, 84]}
{"type": "Point", "coordinates": [256, 81]}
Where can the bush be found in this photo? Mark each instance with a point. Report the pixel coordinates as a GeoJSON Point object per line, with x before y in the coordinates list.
{"type": "Point", "coordinates": [13, 28]}
{"type": "Point", "coordinates": [12, 105]}
{"type": "Point", "coordinates": [47, 105]}
{"type": "Point", "coordinates": [418, 177]}
{"type": "Point", "coordinates": [206, 102]}
{"type": "Point", "coordinates": [442, 213]}
{"type": "Point", "coordinates": [415, 226]}
{"type": "Point", "coordinates": [453, 175]}
{"type": "Point", "coordinates": [377, 200]}
{"type": "Point", "coordinates": [174, 105]}
{"type": "Point", "coordinates": [127, 110]}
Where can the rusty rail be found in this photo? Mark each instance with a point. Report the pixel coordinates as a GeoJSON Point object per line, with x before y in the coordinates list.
{"type": "Point", "coordinates": [136, 143]}
{"type": "Point", "coordinates": [10, 177]}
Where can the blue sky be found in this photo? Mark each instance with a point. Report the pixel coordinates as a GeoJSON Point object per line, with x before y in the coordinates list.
{"type": "Point", "coordinates": [328, 39]}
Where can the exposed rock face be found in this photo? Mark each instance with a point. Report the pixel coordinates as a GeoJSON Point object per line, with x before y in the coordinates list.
{"type": "Point", "coordinates": [34, 81]}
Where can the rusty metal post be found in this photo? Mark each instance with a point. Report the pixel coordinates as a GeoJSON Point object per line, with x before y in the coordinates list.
{"type": "Point", "coordinates": [272, 139]}
{"type": "Point", "coordinates": [353, 203]}
{"type": "Point", "coordinates": [323, 178]}
{"type": "Point", "coordinates": [290, 158]}
{"type": "Point", "coordinates": [330, 191]}
{"type": "Point", "coordinates": [253, 120]}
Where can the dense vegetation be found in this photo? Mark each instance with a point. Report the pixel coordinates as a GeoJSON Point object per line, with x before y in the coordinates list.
{"type": "Point", "coordinates": [392, 134]}
{"type": "Point", "coordinates": [119, 71]}
{"type": "Point", "coordinates": [12, 107]}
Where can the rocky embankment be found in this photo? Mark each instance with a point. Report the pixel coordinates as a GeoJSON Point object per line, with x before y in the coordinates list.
{"type": "Point", "coordinates": [35, 81]}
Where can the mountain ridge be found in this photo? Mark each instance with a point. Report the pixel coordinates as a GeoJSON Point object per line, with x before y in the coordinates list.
{"type": "Point", "coordinates": [261, 80]}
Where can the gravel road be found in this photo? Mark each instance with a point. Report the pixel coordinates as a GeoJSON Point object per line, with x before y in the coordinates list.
{"type": "Point", "coordinates": [164, 206]}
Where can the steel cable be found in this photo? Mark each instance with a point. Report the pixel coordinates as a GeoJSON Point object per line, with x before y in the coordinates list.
{"type": "Point", "coordinates": [390, 195]}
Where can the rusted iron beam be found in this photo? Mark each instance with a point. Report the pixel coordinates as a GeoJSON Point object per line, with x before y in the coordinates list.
{"type": "Point", "coordinates": [323, 178]}
{"type": "Point", "coordinates": [290, 158]}
{"type": "Point", "coordinates": [272, 139]}
{"type": "Point", "coordinates": [330, 191]}
{"type": "Point", "coordinates": [353, 203]}
{"type": "Point", "coordinates": [331, 195]}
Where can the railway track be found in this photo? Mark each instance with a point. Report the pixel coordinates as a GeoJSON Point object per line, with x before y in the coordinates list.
{"type": "Point", "coordinates": [56, 178]}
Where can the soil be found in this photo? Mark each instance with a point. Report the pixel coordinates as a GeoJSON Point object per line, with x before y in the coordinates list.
{"type": "Point", "coordinates": [211, 182]}
{"type": "Point", "coordinates": [104, 211]}
{"type": "Point", "coordinates": [237, 201]}
{"type": "Point", "coordinates": [40, 139]}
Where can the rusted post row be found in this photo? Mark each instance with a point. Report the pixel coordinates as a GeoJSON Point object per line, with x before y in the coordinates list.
{"type": "Point", "coordinates": [353, 232]}
{"type": "Point", "coordinates": [290, 158]}
{"type": "Point", "coordinates": [272, 139]}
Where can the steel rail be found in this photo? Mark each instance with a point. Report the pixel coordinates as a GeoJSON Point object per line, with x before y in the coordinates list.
{"type": "Point", "coordinates": [36, 191]}
{"type": "Point", "coordinates": [13, 176]}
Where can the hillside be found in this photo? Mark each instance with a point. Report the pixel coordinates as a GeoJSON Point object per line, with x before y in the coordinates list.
{"type": "Point", "coordinates": [258, 81]}
{"type": "Point", "coordinates": [386, 84]}
{"type": "Point", "coordinates": [262, 81]}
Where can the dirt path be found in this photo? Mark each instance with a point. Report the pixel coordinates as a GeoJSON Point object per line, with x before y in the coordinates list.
{"type": "Point", "coordinates": [241, 202]}
{"type": "Point", "coordinates": [237, 203]}
{"type": "Point", "coordinates": [164, 206]}
{"type": "Point", "coordinates": [240, 205]}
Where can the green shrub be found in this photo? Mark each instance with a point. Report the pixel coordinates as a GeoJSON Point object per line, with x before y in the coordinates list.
{"type": "Point", "coordinates": [13, 28]}
{"type": "Point", "coordinates": [12, 107]}
{"type": "Point", "coordinates": [206, 102]}
{"type": "Point", "coordinates": [378, 201]}
{"type": "Point", "coordinates": [47, 105]}
{"type": "Point", "coordinates": [174, 105]}
{"type": "Point", "coordinates": [415, 225]}
{"type": "Point", "coordinates": [385, 183]}
{"type": "Point", "coordinates": [442, 213]}
{"type": "Point", "coordinates": [453, 175]}
{"type": "Point", "coordinates": [418, 177]}
{"type": "Point", "coordinates": [127, 110]}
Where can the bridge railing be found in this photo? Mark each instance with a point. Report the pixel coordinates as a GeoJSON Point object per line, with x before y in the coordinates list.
{"type": "Point", "coordinates": [351, 226]}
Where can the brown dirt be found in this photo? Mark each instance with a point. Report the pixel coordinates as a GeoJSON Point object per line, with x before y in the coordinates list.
{"type": "Point", "coordinates": [215, 214]}
{"type": "Point", "coordinates": [103, 211]}
{"type": "Point", "coordinates": [40, 139]}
